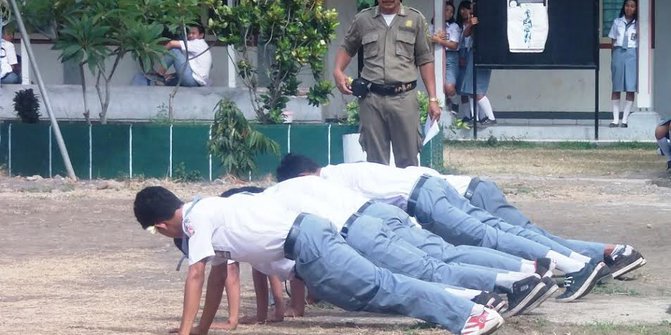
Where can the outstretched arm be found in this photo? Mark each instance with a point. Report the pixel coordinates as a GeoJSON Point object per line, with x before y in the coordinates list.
{"type": "Point", "coordinates": [193, 288]}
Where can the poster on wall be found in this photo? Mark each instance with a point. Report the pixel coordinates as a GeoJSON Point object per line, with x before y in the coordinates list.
{"type": "Point", "coordinates": [528, 25]}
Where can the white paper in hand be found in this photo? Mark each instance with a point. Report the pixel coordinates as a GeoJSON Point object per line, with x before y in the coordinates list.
{"type": "Point", "coordinates": [431, 129]}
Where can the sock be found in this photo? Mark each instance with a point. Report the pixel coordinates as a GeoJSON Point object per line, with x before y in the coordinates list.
{"type": "Point", "coordinates": [470, 104]}
{"type": "Point", "coordinates": [616, 110]}
{"type": "Point", "coordinates": [665, 146]}
{"type": "Point", "coordinates": [477, 309]}
{"type": "Point", "coordinates": [565, 264]}
{"type": "Point", "coordinates": [506, 279]}
{"type": "Point", "coordinates": [627, 110]}
{"type": "Point", "coordinates": [578, 257]}
{"type": "Point", "coordinates": [486, 107]}
{"type": "Point", "coordinates": [528, 266]}
{"type": "Point", "coordinates": [462, 292]}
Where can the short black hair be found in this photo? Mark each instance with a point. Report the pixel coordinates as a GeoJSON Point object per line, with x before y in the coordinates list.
{"type": "Point", "coordinates": [200, 28]}
{"type": "Point", "coordinates": [154, 204]}
{"type": "Point", "coordinates": [236, 190]}
{"type": "Point", "coordinates": [293, 165]}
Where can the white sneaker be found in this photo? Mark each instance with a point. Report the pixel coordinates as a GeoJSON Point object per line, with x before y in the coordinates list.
{"type": "Point", "coordinates": [484, 323]}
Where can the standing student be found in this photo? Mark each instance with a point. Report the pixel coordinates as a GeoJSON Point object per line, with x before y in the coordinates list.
{"type": "Point", "coordinates": [624, 61]}
{"type": "Point", "coordinates": [449, 39]}
{"type": "Point", "coordinates": [468, 22]}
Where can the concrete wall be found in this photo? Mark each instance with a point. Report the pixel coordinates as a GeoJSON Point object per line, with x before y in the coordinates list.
{"type": "Point", "coordinates": [137, 103]}
{"type": "Point", "coordinates": [662, 58]}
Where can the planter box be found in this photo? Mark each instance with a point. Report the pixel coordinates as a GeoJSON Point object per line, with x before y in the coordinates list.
{"type": "Point", "coordinates": [133, 150]}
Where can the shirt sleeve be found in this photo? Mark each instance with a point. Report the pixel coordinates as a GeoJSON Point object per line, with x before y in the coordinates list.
{"type": "Point", "coordinates": [352, 41]}
{"type": "Point", "coordinates": [199, 232]}
{"type": "Point", "coordinates": [423, 49]}
{"type": "Point", "coordinates": [11, 52]}
{"type": "Point", "coordinates": [613, 30]}
{"type": "Point", "coordinates": [455, 33]}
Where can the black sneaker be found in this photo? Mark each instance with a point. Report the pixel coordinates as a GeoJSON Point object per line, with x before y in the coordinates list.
{"type": "Point", "coordinates": [524, 292]}
{"type": "Point", "coordinates": [544, 267]}
{"type": "Point", "coordinates": [668, 166]}
{"type": "Point", "coordinates": [623, 125]}
{"type": "Point", "coordinates": [490, 300]}
{"type": "Point", "coordinates": [625, 260]}
{"type": "Point", "coordinates": [549, 289]}
{"type": "Point", "coordinates": [613, 125]}
{"type": "Point", "coordinates": [581, 282]}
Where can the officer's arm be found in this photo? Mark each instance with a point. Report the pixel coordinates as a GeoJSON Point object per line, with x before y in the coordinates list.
{"type": "Point", "coordinates": [342, 60]}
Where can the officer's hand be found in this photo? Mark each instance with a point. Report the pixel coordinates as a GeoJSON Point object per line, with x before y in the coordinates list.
{"type": "Point", "coordinates": [343, 82]}
{"type": "Point", "coordinates": [474, 20]}
{"type": "Point", "coordinates": [434, 111]}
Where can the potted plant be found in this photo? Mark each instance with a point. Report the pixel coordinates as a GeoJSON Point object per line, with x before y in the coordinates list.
{"type": "Point", "coordinates": [27, 106]}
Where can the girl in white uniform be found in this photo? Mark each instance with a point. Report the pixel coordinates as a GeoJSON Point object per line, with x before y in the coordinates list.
{"type": "Point", "coordinates": [449, 39]}
{"type": "Point", "coordinates": [624, 60]}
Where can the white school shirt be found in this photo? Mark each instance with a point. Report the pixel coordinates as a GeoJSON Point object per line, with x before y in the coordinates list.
{"type": "Point", "coordinates": [375, 181]}
{"type": "Point", "coordinates": [7, 57]}
{"type": "Point", "coordinates": [312, 194]}
{"type": "Point", "coordinates": [202, 63]}
{"type": "Point", "coordinates": [242, 227]}
{"type": "Point", "coordinates": [460, 183]}
{"type": "Point", "coordinates": [622, 33]}
{"type": "Point", "coordinates": [454, 34]}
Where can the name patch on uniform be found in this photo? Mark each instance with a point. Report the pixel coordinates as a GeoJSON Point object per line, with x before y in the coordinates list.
{"type": "Point", "coordinates": [408, 23]}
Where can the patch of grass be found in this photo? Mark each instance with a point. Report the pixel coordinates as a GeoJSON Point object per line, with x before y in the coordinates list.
{"type": "Point", "coordinates": [662, 328]}
{"type": "Point", "coordinates": [512, 143]}
{"type": "Point", "coordinates": [611, 289]}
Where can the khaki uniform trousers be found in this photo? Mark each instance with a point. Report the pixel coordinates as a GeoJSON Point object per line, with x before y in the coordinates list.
{"type": "Point", "coordinates": [390, 119]}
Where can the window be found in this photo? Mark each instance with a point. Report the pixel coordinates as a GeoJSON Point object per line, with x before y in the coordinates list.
{"type": "Point", "coordinates": [610, 11]}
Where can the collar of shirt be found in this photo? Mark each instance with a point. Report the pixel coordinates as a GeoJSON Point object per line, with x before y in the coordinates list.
{"type": "Point", "coordinates": [401, 11]}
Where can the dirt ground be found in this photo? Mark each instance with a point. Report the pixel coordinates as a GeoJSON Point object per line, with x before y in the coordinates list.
{"type": "Point", "coordinates": [74, 261]}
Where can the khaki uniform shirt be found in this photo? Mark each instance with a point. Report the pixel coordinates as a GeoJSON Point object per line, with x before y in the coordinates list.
{"type": "Point", "coordinates": [391, 53]}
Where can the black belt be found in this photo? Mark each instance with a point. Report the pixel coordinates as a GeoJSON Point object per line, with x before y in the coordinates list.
{"type": "Point", "coordinates": [345, 228]}
{"type": "Point", "coordinates": [412, 200]}
{"type": "Point", "coordinates": [393, 89]}
{"type": "Point", "coordinates": [471, 188]}
{"type": "Point", "coordinates": [290, 241]}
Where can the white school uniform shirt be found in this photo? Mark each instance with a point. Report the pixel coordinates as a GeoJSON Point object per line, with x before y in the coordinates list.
{"type": "Point", "coordinates": [453, 34]}
{"type": "Point", "coordinates": [375, 181]}
{"type": "Point", "coordinates": [460, 183]}
{"type": "Point", "coordinates": [7, 57]}
{"type": "Point", "coordinates": [314, 195]}
{"type": "Point", "coordinates": [200, 60]}
{"type": "Point", "coordinates": [624, 34]}
{"type": "Point", "coordinates": [242, 227]}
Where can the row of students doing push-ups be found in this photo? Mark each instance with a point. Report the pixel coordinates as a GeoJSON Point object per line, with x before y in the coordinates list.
{"type": "Point", "coordinates": [370, 237]}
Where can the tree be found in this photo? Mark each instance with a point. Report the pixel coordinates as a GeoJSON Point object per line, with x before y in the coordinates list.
{"type": "Point", "coordinates": [235, 142]}
{"type": "Point", "coordinates": [98, 33]}
{"type": "Point", "coordinates": [291, 34]}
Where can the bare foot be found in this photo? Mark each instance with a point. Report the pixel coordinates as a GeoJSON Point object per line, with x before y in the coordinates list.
{"type": "Point", "coordinates": [224, 325]}
{"type": "Point", "coordinates": [292, 313]}
{"type": "Point", "coordinates": [250, 320]}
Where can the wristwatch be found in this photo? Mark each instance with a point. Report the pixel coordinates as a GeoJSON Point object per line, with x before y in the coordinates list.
{"type": "Point", "coordinates": [433, 99]}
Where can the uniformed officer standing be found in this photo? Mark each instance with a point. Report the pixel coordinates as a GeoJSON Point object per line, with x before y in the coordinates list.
{"type": "Point", "coordinates": [395, 43]}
